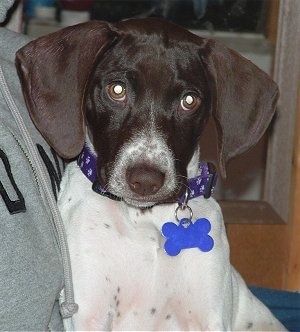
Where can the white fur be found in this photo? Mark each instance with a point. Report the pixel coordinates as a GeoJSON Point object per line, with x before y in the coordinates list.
{"type": "Point", "coordinates": [124, 280]}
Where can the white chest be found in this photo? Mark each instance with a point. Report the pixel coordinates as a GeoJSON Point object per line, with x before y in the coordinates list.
{"type": "Point", "coordinates": [122, 276]}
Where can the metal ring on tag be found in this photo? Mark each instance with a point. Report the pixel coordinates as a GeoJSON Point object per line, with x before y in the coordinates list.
{"type": "Point", "coordinates": [183, 207]}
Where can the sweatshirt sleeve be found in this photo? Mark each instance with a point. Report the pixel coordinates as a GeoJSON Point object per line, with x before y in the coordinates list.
{"type": "Point", "coordinates": [5, 5]}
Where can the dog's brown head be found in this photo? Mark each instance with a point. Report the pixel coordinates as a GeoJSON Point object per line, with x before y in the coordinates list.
{"type": "Point", "coordinates": [144, 89]}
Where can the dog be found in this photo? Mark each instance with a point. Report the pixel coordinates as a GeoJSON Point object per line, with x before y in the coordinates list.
{"type": "Point", "coordinates": [147, 242]}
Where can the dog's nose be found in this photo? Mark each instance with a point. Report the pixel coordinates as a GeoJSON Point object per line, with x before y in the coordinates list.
{"type": "Point", "coordinates": [144, 180]}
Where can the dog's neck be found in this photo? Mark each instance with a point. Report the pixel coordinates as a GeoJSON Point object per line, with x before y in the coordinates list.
{"type": "Point", "coordinates": [202, 176]}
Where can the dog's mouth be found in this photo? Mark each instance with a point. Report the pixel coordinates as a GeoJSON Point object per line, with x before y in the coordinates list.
{"type": "Point", "coordinates": [146, 201]}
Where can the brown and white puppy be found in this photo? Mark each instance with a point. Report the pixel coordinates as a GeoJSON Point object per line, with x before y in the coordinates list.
{"type": "Point", "coordinates": [138, 93]}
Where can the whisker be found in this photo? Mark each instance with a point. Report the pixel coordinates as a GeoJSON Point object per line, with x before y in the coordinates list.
{"type": "Point", "coordinates": [181, 176]}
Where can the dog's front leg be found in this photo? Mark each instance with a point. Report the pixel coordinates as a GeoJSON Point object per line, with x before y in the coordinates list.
{"type": "Point", "coordinates": [87, 216]}
{"type": "Point", "coordinates": [248, 312]}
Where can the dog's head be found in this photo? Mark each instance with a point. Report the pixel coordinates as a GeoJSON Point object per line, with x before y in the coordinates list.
{"type": "Point", "coordinates": [142, 91]}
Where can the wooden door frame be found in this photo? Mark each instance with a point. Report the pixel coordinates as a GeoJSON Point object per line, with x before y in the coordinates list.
{"type": "Point", "coordinates": [279, 167]}
{"type": "Point", "coordinates": [282, 186]}
{"type": "Point", "coordinates": [293, 264]}
{"type": "Point", "coordinates": [273, 225]}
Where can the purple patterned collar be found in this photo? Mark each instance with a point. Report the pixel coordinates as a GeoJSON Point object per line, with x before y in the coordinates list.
{"type": "Point", "coordinates": [202, 185]}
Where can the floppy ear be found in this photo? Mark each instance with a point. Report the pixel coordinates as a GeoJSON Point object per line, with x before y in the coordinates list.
{"type": "Point", "coordinates": [54, 71]}
{"type": "Point", "coordinates": [243, 100]}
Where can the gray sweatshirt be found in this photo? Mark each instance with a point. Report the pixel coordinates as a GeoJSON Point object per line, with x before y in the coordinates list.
{"type": "Point", "coordinates": [34, 262]}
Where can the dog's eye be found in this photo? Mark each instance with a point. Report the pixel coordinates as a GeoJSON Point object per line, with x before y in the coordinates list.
{"type": "Point", "coordinates": [189, 103]}
{"type": "Point", "coordinates": [116, 91]}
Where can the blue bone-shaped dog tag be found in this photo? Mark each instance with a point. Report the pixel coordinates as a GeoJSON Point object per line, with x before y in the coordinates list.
{"type": "Point", "coordinates": [187, 235]}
